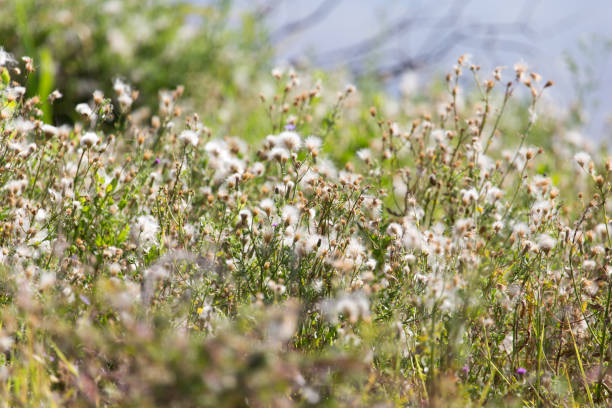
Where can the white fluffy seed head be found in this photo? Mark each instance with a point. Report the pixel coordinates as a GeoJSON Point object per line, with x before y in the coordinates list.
{"type": "Point", "coordinates": [582, 158]}
{"type": "Point", "coordinates": [189, 137]}
{"type": "Point", "coordinates": [89, 139]}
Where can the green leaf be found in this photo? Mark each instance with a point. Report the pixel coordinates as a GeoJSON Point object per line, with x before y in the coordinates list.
{"type": "Point", "coordinates": [6, 77]}
{"type": "Point", "coordinates": [123, 234]}
{"type": "Point", "coordinates": [46, 82]}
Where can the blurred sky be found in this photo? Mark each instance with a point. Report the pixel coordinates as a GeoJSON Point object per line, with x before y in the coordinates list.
{"type": "Point", "coordinates": [496, 32]}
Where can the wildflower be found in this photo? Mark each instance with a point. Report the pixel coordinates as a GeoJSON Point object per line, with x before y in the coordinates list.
{"type": "Point", "coordinates": [89, 139]}
{"type": "Point", "coordinates": [541, 211]}
{"type": "Point", "coordinates": [326, 168]}
{"type": "Point", "coordinates": [15, 186]}
{"type": "Point", "coordinates": [47, 279]}
{"type": "Point", "coordinates": [589, 265]}
{"type": "Point", "coordinates": [283, 321]}
{"type": "Point", "coordinates": [521, 371]}
{"type": "Point", "coordinates": [546, 242]}
{"type": "Point", "coordinates": [308, 244]}
{"type": "Point", "coordinates": [463, 226]}
{"type": "Point", "coordinates": [279, 154]}
{"type": "Point", "coordinates": [469, 196]}
{"type": "Point", "coordinates": [277, 73]}
{"type": "Point", "coordinates": [98, 97]}
{"type": "Point", "coordinates": [506, 344]}
{"type": "Point", "coordinates": [121, 87]}
{"type": "Point", "coordinates": [497, 226]}
{"type": "Point", "coordinates": [5, 58]}
{"type": "Point", "coordinates": [245, 216]}
{"type": "Point", "coordinates": [290, 140]}
{"type": "Point", "coordinates": [412, 238]}
{"type": "Point", "coordinates": [258, 168]}
{"type": "Point", "coordinates": [313, 144]}
{"type": "Point", "coordinates": [16, 92]}
{"type": "Point", "coordinates": [365, 155]}
{"type": "Point", "coordinates": [267, 205]}
{"type": "Point", "coordinates": [582, 158]}
{"type": "Point", "coordinates": [85, 300]}
{"type": "Point", "coordinates": [84, 110]}
{"type": "Point", "coordinates": [145, 231]}
{"type": "Point", "coordinates": [354, 250]}
{"type": "Point", "coordinates": [520, 229]}
{"type": "Point", "coordinates": [49, 130]}
{"type": "Point", "coordinates": [114, 269]}
{"type": "Point", "coordinates": [216, 148]}
{"type": "Point", "coordinates": [395, 230]}
{"type": "Point", "coordinates": [290, 215]}
{"type": "Point", "coordinates": [352, 306]}
{"type": "Point", "coordinates": [189, 137]}
{"type": "Point", "coordinates": [520, 69]}
{"type": "Point", "coordinates": [494, 194]}
{"type": "Point", "coordinates": [124, 93]}
{"type": "Point", "coordinates": [6, 342]}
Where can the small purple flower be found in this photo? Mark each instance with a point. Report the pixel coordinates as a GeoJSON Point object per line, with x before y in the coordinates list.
{"type": "Point", "coordinates": [157, 160]}
{"type": "Point", "coordinates": [466, 369]}
{"type": "Point", "coordinates": [521, 371]}
{"type": "Point", "coordinates": [84, 300]}
{"type": "Point", "coordinates": [274, 225]}
{"type": "Point", "coordinates": [290, 126]}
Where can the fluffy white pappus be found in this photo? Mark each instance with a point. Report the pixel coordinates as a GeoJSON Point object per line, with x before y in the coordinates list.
{"type": "Point", "coordinates": [216, 148]}
{"type": "Point", "coordinates": [145, 231]}
{"type": "Point", "coordinates": [395, 230]}
{"type": "Point", "coordinates": [257, 169]}
{"type": "Point", "coordinates": [313, 144]}
{"type": "Point", "coordinates": [189, 137]}
{"type": "Point", "coordinates": [21, 125]}
{"type": "Point", "coordinates": [412, 238]}
{"type": "Point", "coordinates": [355, 250]}
{"type": "Point", "coordinates": [124, 94]}
{"type": "Point", "coordinates": [308, 244]}
{"type": "Point", "coordinates": [520, 229]}
{"type": "Point", "coordinates": [494, 194]}
{"type": "Point", "coordinates": [582, 158]}
{"type": "Point", "coordinates": [327, 168]}
{"type": "Point", "coordinates": [84, 110]}
{"type": "Point", "coordinates": [6, 58]}
{"type": "Point", "coordinates": [279, 154]}
{"type": "Point", "coordinates": [290, 141]}
{"type": "Point", "coordinates": [49, 130]}
{"type": "Point", "coordinates": [290, 215]}
{"type": "Point", "coordinates": [365, 155]}
{"type": "Point", "coordinates": [267, 205]}
{"type": "Point", "coordinates": [353, 306]}
{"type": "Point", "coordinates": [546, 242]}
{"type": "Point", "coordinates": [469, 196]}
{"type": "Point", "coordinates": [89, 139]}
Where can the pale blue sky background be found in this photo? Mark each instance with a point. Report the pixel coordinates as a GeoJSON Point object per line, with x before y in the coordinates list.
{"type": "Point", "coordinates": [549, 28]}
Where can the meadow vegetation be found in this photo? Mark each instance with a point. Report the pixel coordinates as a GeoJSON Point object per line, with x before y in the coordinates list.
{"type": "Point", "coordinates": [201, 234]}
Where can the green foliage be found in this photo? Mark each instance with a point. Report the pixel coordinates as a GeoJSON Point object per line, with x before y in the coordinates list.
{"type": "Point", "coordinates": [82, 45]}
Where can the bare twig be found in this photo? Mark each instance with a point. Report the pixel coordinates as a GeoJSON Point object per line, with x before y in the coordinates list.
{"type": "Point", "coordinates": [304, 23]}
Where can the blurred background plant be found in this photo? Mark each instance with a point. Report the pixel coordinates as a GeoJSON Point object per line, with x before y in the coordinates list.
{"type": "Point", "coordinates": [153, 44]}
